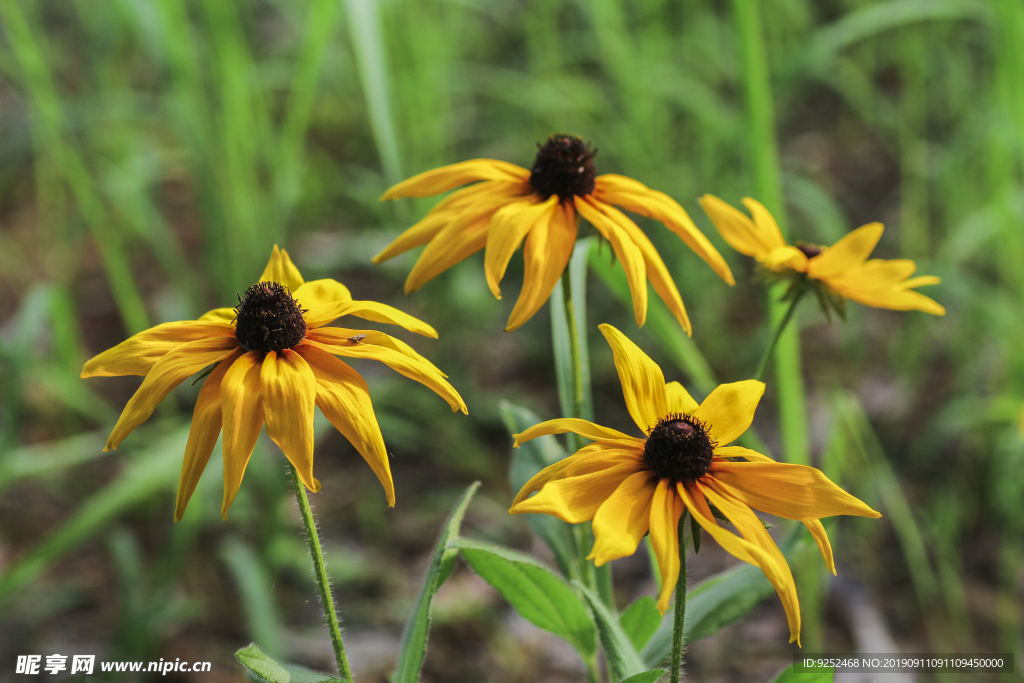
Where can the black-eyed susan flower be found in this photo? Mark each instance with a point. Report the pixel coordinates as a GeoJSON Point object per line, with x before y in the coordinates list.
{"type": "Point", "coordinates": [839, 272]}
{"type": "Point", "coordinates": [274, 360]}
{"type": "Point", "coordinates": [631, 486]}
{"type": "Point", "coordinates": [508, 205]}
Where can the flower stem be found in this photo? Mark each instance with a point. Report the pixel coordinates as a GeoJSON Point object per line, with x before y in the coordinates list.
{"type": "Point", "coordinates": [766, 359]}
{"type": "Point", "coordinates": [675, 671]}
{"type": "Point", "coordinates": [320, 569]}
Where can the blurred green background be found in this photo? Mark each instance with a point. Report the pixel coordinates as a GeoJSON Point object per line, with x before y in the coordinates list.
{"type": "Point", "coordinates": [153, 151]}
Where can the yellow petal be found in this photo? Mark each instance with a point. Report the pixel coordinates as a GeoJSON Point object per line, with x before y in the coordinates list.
{"type": "Point", "coordinates": [509, 226]}
{"type": "Point", "coordinates": [666, 509]}
{"type": "Point", "coordinates": [224, 315]}
{"type": "Point", "coordinates": [576, 499]}
{"type": "Point", "coordinates": [741, 452]}
{"type": "Point", "coordinates": [242, 415]}
{"type": "Point", "coordinates": [729, 409]}
{"type": "Point", "coordinates": [448, 177]}
{"type": "Point", "coordinates": [459, 240]}
{"type": "Point", "coordinates": [623, 519]}
{"type": "Point", "coordinates": [345, 337]}
{"type": "Point", "coordinates": [847, 253]}
{"type": "Point", "coordinates": [679, 399]}
{"type": "Point", "coordinates": [817, 530]}
{"type": "Point", "coordinates": [289, 394]}
{"type": "Point", "coordinates": [167, 373]}
{"type": "Point", "coordinates": [643, 384]}
{"type": "Point", "coordinates": [401, 363]}
{"type": "Point", "coordinates": [344, 399]}
{"type": "Point", "coordinates": [742, 234]}
{"type": "Point", "coordinates": [202, 436]}
{"type": "Point", "coordinates": [587, 430]}
{"type": "Point", "coordinates": [546, 253]}
{"type": "Point", "coordinates": [921, 281]}
{"type": "Point", "coordinates": [281, 269]}
{"type": "Point", "coordinates": [783, 258]}
{"type": "Point", "coordinates": [787, 490]}
{"type": "Point", "coordinates": [367, 310]}
{"type": "Point", "coordinates": [589, 459]}
{"type": "Point", "coordinates": [137, 354]}
{"type": "Point", "coordinates": [877, 274]}
{"type": "Point", "coordinates": [626, 251]}
{"type": "Point", "coordinates": [320, 293]}
{"type": "Point", "coordinates": [638, 198]}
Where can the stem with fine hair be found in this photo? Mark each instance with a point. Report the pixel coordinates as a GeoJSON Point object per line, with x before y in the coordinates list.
{"type": "Point", "coordinates": [676, 668]}
{"type": "Point", "coordinates": [766, 359]}
{"type": "Point", "coordinates": [320, 569]}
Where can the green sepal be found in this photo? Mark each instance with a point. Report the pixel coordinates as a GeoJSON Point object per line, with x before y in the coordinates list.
{"type": "Point", "coordinates": [264, 669]}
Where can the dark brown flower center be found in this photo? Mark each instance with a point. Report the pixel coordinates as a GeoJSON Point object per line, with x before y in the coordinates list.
{"type": "Point", "coordinates": [564, 166]}
{"type": "Point", "coordinates": [679, 448]}
{"type": "Point", "coordinates": [268, 318]}
{"type": "Point", "coordinates": [809, 250]}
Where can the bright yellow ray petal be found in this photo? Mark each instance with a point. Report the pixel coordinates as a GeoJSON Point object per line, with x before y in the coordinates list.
{"type": "Point", "coordinates": [729, 409]}
{"type": "Point", "coordinates": [817, 530]}
{"type": "Point", "coordinates": [741, 452]}
{"type": "Point", "coordinates": [765, 223]}
{"type": "Point", "coordinates": [787, 490]}
{"type": "Point", "coordinates": [679, 399]}
{"type": "Point", "coordinates": [289, 393]}
{"type": "Point", "coordinates": [459, 240]}
{"type": "Point", "coordinates": [847, 253]}
{"type": "Point", "coordinates": [224, 315]}
{"type": "Point", "coordinates": [589, 459]}
{"type": "Point", "coordinates": [202, 436]}
{"type": "Point", "coordinates": [626, 251]}
{"type": "Point", "coordinates": [509, 227]}
{"type": "Point", "coordinates": [281, 269]}
{"type": "Point", "coordinates": [167, 373]}
{"type": "Point", "coordinates": [448, 177]}
{"type": "Point", "coordinates": [320, 293]}
{"type": "Point", "coordinates": [738, 230]}
{"type": "Point", "coordinates": [666, 509]}
{"type": "Point", "coordinates": [546, 254]}
{"type": "Point", "coordinates": [921, 281]}
{"type": "Point", "coordinates": [623, 519]}
{"type": "Point", "coordinates": [137, 354]}
{"type": "Point", "coordinates": [587, 430]}
{"type": "Point", "coordinates": [876, 274]}
{"type": "Point", "coordinates": [367, 310]}
{"type": "Point", "coordinates": [638, 198]}
{"type": "Point", "coordinates": [242, 415]}
{"type": "Point", "coordinates": [785, 257]}
{"type": "Point", "coordinates": [401, 363]}
{"type": "Point", "coordinates": [576, 499]}
{"type": "Point", "coordinates": [344, 399]}
{"type": "Point", "coordinates": [345, 337]}
{"type": "Point", "coordinates": [895, 298]}
{"type": "Point", "coordinates": [643, 384]}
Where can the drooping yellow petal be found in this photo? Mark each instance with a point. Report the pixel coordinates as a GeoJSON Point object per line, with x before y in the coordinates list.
{"type": "Point", "coordinates": [921, 281]}
{"type": "Point", "coordinates": [877, 274]}
{"type": "Point", "coordinates": [666, 509]}
{"type": "Point", "coordinates": [202, 436]}
{"type": "Point", "coordinates": [281, 269]}
{"type": "Point", "coordinates": [729, 409]}
{"type": "Point", "coordinates": [367, 310]}
{"type": "Point", "coordinates": [898, 300]}
{"type": "Point", "coordinates": [847, 253]}
{"type": "Point", "coordinates": [289, 393]}
{"type": "Point", "coordinates": [769, 230]}
{"type": "Point", "coordinates": [742, 234]}
{"type": "Point", "coordinates": [679, 399]}
{"type": "Point", "coordinates": [787, 490]}
{"type": "Point", "coordinates": [344, 399]}
{"type": "Point", "coordinates": [509, 227]}
{"type": "Point", "coordinates": [636, 197]}
{"type": "Point", "coordinates": [321, 293]}
{"type": "Point", "coordinates": [589, 459]}
{"type": "Point", "coordinates": [345, 337]}
{"type": "Point", "coordinates": [741, 452]}
{"type": "Point", "coordinates": [459, 240]}
{"type": "Point", "coordinates": [626, 251]}
{"type": "Point", "coordinates": [588, 430]}
{"type": "Point", "coordinates": [167, 373]}
{"type": "Point", "coordinates": [224, 315]}
{"type": "Point", "coordinates": [817, 530]}
{"type": "Point", "coordinates": [448, 177]}
{"type": "Point", "coordinates": [137, 354]}
{"type": "Point", "coordinates": [546, 254]}
{"type": "Point", "coordinates": [576, 499]}
{"type": "Point", "coordinates": [242, 415]}
{"type": "Point", "coordinates": [401, 363]}
{"type": "Point", "coordinates": [623, 519]}
{"type": "Point", "coordinates": [643, 384]}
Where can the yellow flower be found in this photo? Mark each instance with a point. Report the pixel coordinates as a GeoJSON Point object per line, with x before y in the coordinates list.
{"type": "Point", "coordinates": [274, 360]}
{"type": "Point", "coordinates": [843, 268]}
{"type": "Point", "coordinates": [509, 204]}
{"type": "Point", "coordinates": [631, 486]}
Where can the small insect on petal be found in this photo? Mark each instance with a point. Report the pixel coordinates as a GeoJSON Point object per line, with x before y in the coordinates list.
{"type": "Point", "coordinates": [357, 338]}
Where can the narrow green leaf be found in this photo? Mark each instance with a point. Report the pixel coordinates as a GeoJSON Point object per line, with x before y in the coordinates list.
{"type": "Point", "coordinates": [414, 640]}
{"type": "Point", "coordinates": [537, 593]}
{"type": "Point", "coordinates": [264, 669]}
{"type": "Point", "coordinates": [645, 677]}
{"type": "Point", "coordinates": [695, 534]}
{"type": "Point", "coordinates": [623, 659]}
{"type": "Point", "coordinates": [560, 333]}
{"type": "Point", "coordinates": [788, 675]}
{"type": "Point", "coordinates": [640, 621]}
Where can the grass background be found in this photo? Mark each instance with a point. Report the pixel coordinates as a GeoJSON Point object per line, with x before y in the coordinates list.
{"type": "Point", "coordinates": [152, 152]}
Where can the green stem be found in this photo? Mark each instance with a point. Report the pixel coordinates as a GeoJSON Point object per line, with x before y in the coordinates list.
{"type": "Point", "coordinates": [320, 569]}
{"type": "Point", "coordinates": [675, 671]}
{"type": "Point", "coordinates": [766, 359]}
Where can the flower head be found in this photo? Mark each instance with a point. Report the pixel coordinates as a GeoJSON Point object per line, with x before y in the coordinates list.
{"type": "Point", "coordinates": [843, 269]}
{"type": "Point", "coordinates": [631, 486]}
{"type": "Point", "coordinates": [269, 361]}
{"type": "Point", "coordinates": [508, 205]}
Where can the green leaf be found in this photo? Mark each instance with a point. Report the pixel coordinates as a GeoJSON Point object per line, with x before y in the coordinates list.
{"type": "Point", "coordinates": [537, 593]}
{"type": "Point", "coordinates": [560, 333]}
{"type": "Point", "coordinates": [414, 640]}
{"type": "Point", "coordinates": [788, 675]}
{"type": "Point", "coordinates": [623, 659]}
{"type": "Point", "coordinates": [640, 621]}
{"type": "Point", "coordinates": [695, 534]}
{"type": "Point", "coordinates": [645, 677]}
{"type": "Point", "coordinates": [261, 667]}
